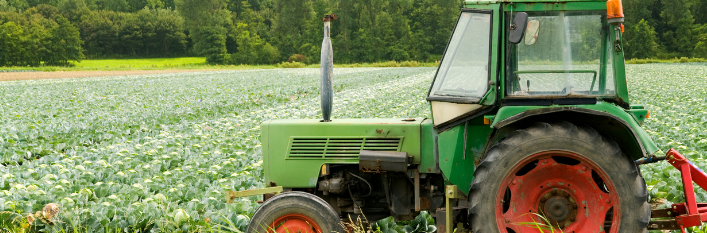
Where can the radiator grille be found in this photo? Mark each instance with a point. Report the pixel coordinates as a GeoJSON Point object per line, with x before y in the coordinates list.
{"type": "Point", "coordinates": [339, 147]}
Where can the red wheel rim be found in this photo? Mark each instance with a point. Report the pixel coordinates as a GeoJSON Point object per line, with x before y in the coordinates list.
{"type": "Point", "coordinates": [294, 223]}
{"type": "Point", "coordinates": [570, 191]}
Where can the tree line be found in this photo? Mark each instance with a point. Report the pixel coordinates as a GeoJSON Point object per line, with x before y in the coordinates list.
{"type": "Point", "coordinates": [54, 32]}
{"type": "Point", "coordinates": [225, 31]}
{"type": "Point", "coordinates": [38, 35]}
{"type": "Point", "coordinates": [270, 31]}
{"type": "Point", "coordinates": [665, 28]}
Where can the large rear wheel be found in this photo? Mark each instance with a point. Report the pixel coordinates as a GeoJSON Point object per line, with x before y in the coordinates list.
{"type": "Point", "coordinates": [560, 176]}
{"type": "Point", "coordinates": [292, 212]}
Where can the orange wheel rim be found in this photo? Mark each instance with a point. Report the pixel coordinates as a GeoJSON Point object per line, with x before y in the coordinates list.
{"type": "Point", "coordinates": [294, 223]}
{"type": "Point", "coordinates": [559, 188]}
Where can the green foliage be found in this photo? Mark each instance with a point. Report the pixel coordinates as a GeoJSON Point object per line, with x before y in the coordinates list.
{"type": "Point", "coordinates": [297, 58]}
{"type": "Point", "coordinates": [677, 31]}
{"type": "Point", "coordinates": [673, 93]}
{"type": "Point", "coordinates": [251, 49]}
{"type": "Point", "coordinates": [11, 44]}
{"type": "Point", "coordinates": [423, 223]}
{"type": "Point", "coordinates": [208, 25]}
{"type": "Point", "coordinates": [674, 60]}
{"type": "Point", "coordinates": [386, 225]}
{"type": "Point", "coordinates": [256, 31]}
{"type": "Point", "coordinates": [367, 31]}
{"type": "Point", "coordinates": [151, 63]}
{"type": "Point", "coordinates": [38, 36]}
{"type": "Point", "coordinates": [99, 32]}
{"type": "Point", "coordinates": [293, 64]}
{"type": "Point", "coordinates": [212, 43]}
{"type": "Point", "coordinates": [373, 31]}
{"type": "Point", "coordinates": [112, 5]}
{"type": "Point", "coordinates": [295, 26]}
{"type": "Point", "coordinates": [148, 32]}
{"type": "Point", "coordinates": [73, 9]}
{"type": "Point", "coordinates": [701, 45]}
{"type": "Point", "coordinates": [5, 6]}
{"type": "Point", "coordinates": [643, 42]}
{"type": "Point", "coordinates": [65, 44]}
{"type": "Point", "coordinates": [169, 31]}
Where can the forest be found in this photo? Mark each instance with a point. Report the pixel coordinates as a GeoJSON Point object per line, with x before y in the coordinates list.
{"type": "Point", "coordinates": [55, 32]}
{"type": "Point", "coordinates": [665, 29]}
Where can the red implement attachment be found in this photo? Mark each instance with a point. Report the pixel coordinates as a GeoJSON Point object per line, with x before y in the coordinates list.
{"type": "Point", "coordinates": [690, 213]}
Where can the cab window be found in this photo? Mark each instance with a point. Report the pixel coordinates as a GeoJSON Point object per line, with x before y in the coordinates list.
{"type": "Point", "coordinates": [463, 75]}
{"type": "Point", "coordinates": [561, 55]}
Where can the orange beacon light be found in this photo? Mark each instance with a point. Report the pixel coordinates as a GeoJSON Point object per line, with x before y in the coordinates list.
{"type": "Point", "coordinates": [615, 11]}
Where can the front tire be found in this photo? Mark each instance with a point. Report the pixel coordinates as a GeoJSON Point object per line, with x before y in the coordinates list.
{"type": "Point", "coordinates": [295, 212]}
{"type": "Point", "coordinates": [558, 175]}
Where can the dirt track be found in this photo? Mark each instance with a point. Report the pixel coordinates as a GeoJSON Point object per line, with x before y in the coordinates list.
{"type": "Point", "coordinates": [12, 76]}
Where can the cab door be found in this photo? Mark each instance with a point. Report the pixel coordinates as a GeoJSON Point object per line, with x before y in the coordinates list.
{"type": "Point", "coordinates": [465, 81]}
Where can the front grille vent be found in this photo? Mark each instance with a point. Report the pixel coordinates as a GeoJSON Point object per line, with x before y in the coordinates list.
{"type": "Point", "coordinates": [339, 147]}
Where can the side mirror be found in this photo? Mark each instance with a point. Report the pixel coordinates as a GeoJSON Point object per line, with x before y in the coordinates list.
{"type": "Point", "coordinates": [520, 21]}
{"type": "Point", "coordinates": [532, 32]}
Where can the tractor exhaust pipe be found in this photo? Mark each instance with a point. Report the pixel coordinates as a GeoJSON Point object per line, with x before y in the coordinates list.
{"type": "Point", "coordinates": [327, 66]}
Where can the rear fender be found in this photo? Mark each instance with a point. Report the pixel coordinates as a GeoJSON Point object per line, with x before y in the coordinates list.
{"type": "Point", "coordinates": [610, 121]}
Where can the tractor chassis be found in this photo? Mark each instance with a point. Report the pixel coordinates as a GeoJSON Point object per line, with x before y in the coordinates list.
{"type": "Point", "coordinates": [679, 217]}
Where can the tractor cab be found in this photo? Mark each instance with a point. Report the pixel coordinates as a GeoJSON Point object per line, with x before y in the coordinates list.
{"type": "Point", "coordinates": [529, 53]}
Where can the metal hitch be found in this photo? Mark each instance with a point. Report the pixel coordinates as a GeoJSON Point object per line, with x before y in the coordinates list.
{"type": "Point", "coordinates": [680, 215]}
{"type": "Point", "coordinates": [269, 192]}
{"type": "Point", "coordinates": [447, 215]}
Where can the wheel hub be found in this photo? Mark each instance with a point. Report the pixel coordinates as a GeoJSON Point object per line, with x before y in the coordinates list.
{"type": "Point", "coordinates": [559, 189]}
{"type": "Point", "coordinates": [294, 223]}
{"type": "Point", "coordinates": [559, 208]}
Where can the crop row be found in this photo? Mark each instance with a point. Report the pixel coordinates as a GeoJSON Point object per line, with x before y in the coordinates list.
{"type": "Point", "coordinates": [676, 96]}
{"type": "Point", "coordinates": [160, 152]}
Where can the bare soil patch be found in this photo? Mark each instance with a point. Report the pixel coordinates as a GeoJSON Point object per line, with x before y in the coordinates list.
{"type": "Point", "coordinates": [12, 76]}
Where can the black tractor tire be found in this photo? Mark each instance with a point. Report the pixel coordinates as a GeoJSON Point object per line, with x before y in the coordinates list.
{"type": "Point", "coordinates": [295, 202]}
{"type": "Point", "coordinates": [585, 141]}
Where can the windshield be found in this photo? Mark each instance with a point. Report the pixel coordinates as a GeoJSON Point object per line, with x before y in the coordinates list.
{"type": "Point", "coordinates": [464, 72]}
{"type": "Point", "coordinates": [561, 55]}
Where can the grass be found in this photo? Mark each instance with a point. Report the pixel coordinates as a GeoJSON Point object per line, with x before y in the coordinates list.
{"type": "Point", "coordinates": [151, 63]}
{"type": "Point", "coordinates": [541, 224]}
{"type": "Point", "coordinates": [199, 63]}
{"type": "Point", "coordinates": [193, 63]}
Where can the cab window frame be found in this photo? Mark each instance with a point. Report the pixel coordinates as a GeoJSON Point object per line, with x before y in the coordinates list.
{"type": "Point", "coordinates": [466, 100]}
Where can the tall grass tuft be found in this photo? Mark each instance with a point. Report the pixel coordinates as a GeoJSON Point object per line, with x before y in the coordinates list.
{"type": "Point", "coordinates": [540, 224]}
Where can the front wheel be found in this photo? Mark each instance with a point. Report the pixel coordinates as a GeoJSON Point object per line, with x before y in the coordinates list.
{"type": "Point", "coordinates": [295, 212]}
{"type": "Point", "coordinates": [557, 177]}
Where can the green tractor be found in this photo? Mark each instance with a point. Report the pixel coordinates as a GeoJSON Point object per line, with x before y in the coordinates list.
{"type": "Point", "coordinates": [531, 123]}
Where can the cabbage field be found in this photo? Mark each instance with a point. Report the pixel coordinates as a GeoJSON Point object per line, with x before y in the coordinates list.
{"type": "Point", "coordinates": [676, 96]}
{"type": "Point", "coordinates": [159, 152]}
